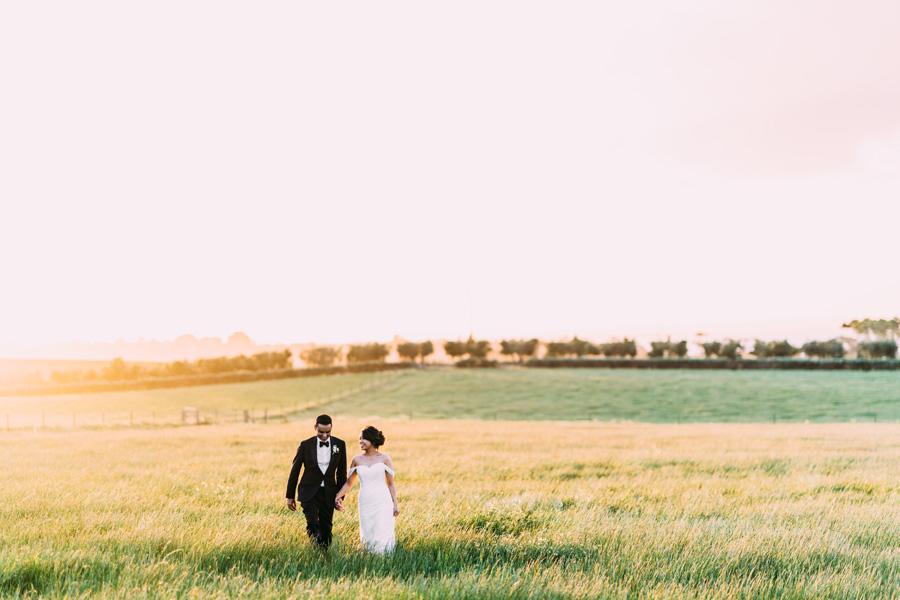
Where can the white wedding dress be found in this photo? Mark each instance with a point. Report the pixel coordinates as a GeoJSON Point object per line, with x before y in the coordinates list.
{"type": "Point", "coordinates": [376, 508]}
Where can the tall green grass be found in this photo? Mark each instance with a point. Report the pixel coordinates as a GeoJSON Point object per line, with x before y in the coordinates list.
{"type": "Point", "coordinates": [488, 509]}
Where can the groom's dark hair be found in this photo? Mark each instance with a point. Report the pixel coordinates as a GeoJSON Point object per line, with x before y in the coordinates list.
{"type": "Point", "coordinates": [323, 420]}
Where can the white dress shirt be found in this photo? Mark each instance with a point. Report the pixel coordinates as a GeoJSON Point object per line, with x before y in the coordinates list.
{"type": "Point", "coordinates": [323, 456]}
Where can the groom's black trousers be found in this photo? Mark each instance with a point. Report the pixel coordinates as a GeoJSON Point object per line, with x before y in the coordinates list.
{"type": "Point", "coordinates": [319, 513]}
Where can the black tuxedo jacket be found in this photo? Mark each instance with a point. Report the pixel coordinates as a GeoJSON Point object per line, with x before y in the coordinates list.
{"type": "Point", "coordinates": [311, 482]}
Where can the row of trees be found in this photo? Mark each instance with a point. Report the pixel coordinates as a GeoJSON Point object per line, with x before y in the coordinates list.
{"type": "Point", "coordinates": [886, 332]}
{"type": "Point", "coordinates": [578, 347]}
{"type": "Point", "coordinates": [833, 348]}
{"type": "Point", "coordinates": [477, 351]}
{"type": "Point", "coordinates": [367, 353]}
{"type": "Point", "coordinates": [521, 349]}
{"type": "Point", "coordinates": [668, 349]}
{"type": "Point", "coordinates": [474, 349]}
{"type": "Point", "coordinates": [470, 349]}
{"type": "Point", "coordinates": [878, 349]}
{"type": "Point", "coordinates": [119, 370]}
{"type": "Point", "coordinates": [263, 361]}
{"type": "Point", "coordinates": [327, 356]}
{"type": "Point", "coordinates": [880, 328]}
{"type": "Point", "coordinates": [729, 349]}
{"type": "Point", "coordinates": [774, 349]}
{"type": "Point", "coordinates": [412, 351]}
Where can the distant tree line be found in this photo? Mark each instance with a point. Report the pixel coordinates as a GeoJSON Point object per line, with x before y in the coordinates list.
{"type": "Point", "coordinates": [668, 349]}
{"type": "Point", "coordinates": [411, 351]}
{"type": "Point", "coordinates": [578, 347]}
{"type": "Point", "coordinates": [521, 349]}
{"type": "Point", "coordinates": [833, 348]}
{"type": "Point", "coordinates": [878, 349]}
{"type": "Point", "coordinates": [729, 349]}
{"type": "Point", "coordinates": [475, 349]}
{"type": "Point", "coordinates": [327, 356]}
{"type": "Point", "coordinates": [880, 328]}
{"type": "Point", "coordinates": [321, 356]}
{"type": "Point", "coordinates": [472, 352]}
{"type": "Point", "coordinates": [774, 349]}
{"type": "Point", "coordinates": [119, 370]}
{"type": "Point", "coordinates": [366, 353]}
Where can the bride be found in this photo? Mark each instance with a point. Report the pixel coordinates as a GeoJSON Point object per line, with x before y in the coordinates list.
{"type": "Point", "coordinates": [377, 496]}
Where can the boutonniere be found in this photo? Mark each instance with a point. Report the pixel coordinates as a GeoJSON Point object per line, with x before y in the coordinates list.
{"type": "Point", "coordinates": [335, 449]}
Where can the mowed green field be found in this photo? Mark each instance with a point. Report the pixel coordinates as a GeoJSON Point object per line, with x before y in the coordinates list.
{"type": "Point", "coordinates": [489, 509]}
{"type": "Point", "coordinates": [506, 394]}
{"type": "Point", "coordinates": [630, 394]}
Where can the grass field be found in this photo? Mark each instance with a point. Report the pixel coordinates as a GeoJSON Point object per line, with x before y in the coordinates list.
{"type": "Point", "coordinates": [509, 487]}
{"type": "Point", "coordinates": [489, 509]}
{"type": "Point", "coordinates": [504, 394]}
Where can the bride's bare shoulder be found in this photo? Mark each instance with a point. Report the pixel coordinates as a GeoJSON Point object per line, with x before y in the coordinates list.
{"type": "Point", "coordinates": [386, 459]}
{"type": "Point", "coordinates": [355, 460]}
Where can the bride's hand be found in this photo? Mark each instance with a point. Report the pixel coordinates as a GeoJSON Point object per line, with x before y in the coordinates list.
{"type": "Point", "coordinates": [396, 510]}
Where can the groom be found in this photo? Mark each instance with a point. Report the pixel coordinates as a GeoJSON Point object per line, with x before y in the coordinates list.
{"type": "Point", "coordinates": [324, 462]}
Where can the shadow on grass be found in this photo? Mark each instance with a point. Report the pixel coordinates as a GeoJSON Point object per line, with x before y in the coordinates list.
{"type": "Point", "coordinates": [436, 557]}
{"type": "Point", "coordinates": [41, 576]}
{"type": "Point", "coordinates": [619, 563]}
{"type": "Point", "coordinates": [432, 557]}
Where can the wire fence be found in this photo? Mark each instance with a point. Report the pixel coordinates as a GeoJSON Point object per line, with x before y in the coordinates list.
{"type": "Point", "coordinates": [190, 416]}
{"type": "Point", "coordinates": [167, 418]}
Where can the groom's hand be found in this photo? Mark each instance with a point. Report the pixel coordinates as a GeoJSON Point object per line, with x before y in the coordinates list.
{"type": "Point", "coordinates": [291, 504]}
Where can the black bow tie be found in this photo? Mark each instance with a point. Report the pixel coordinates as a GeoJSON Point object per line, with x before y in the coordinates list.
{"type": "Point", "coordinates": [323, 444]}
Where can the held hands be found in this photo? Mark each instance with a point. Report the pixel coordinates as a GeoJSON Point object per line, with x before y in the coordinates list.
{"type": "Point", "coordinates": [339, 502]}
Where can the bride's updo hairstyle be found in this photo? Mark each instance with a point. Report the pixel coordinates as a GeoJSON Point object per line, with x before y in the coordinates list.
{"type": "Point", "coordinates": [373, 435]}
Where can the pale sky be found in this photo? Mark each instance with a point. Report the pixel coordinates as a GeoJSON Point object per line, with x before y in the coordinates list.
{"type": "Point", "coordinates": [341, 172]}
